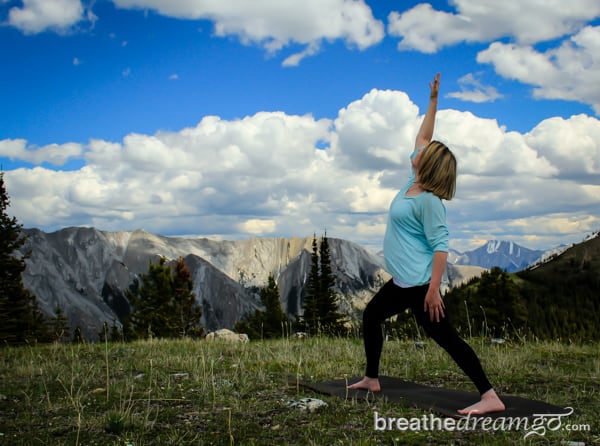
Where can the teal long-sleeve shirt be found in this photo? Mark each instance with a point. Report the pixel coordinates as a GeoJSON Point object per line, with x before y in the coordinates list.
{"type": "Point", "coordinates": [416, 228]}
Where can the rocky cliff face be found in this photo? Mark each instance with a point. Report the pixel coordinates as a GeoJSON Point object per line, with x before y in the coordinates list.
{"type": "Point", "coordinates": [87, 272]}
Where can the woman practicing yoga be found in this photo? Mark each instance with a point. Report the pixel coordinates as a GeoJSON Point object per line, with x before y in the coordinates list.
{"type": "Point", "coordinates": [415, 251]}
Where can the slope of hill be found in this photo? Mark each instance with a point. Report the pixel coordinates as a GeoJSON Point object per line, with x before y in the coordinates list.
{"type": "Point", "coordinates": [563, 294]}
{"type": "Point", "coordinates": [569, 266]}
{"type": "Point", "coordinates": [556, 299]}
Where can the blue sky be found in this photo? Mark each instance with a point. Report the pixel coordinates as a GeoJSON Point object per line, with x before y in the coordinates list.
{"type": "Point", "coordinates": [235, 119]}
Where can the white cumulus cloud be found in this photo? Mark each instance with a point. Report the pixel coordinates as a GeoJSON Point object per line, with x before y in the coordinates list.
{"type": "Point", "coordinates": [36, 16]}
{"type": "Point", "coordinates": [57, 154]}
{"type": "Point", "coordinates": [276, 24]}
{"type": "Point", "coordinates": [566, 72]}
{"type": "Point", "coordinates": [426, 29]}
{"type": "Point", "coordinates": [576, 149]}
{"type": "Point", "coordinates": [274, 174]}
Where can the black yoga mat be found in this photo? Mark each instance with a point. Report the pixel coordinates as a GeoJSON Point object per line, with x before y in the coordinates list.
{"type": "Point", "coordinates": [435, 399]}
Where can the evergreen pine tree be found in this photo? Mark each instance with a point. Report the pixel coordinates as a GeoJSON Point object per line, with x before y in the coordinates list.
{"type": "Point", "coordinates": [491, 304]}
{"type": "Point", "coordinates": [251, 325]}
{"type": "Point", "coordinates": [151, 303]}
{"type": "Point", "coordinates": [163, 305]}
{"type": "Point", "coordinates": [309, 321]}
{"type": "Point", "coordinates": [270, 323]}
{"type": "Point", "coordinates": [188, 311]}
{"type": "Point", "coordinates": [275, 321]}
{"type": "Point", "coordinates": [320, 314]}
{"type": "Point", "coordinates": [499, 299]}
{"type": "Point", "coordinates": [20, 317]}
{"type": "Point", "coordinates": [331, 319]}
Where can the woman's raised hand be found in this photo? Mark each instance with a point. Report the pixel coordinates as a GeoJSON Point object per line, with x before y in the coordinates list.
{"type": "Point", "coordinates": [435, 86]}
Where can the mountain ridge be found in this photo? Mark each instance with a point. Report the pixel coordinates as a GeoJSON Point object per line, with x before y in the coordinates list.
{"type": "Point", "coordinates": [504, 254]}
{"type": "Point", "coordinates": [87, 271]}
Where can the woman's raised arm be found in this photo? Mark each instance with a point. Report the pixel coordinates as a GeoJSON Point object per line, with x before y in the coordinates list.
{"type": "Point", "coordinates": [426, 130]}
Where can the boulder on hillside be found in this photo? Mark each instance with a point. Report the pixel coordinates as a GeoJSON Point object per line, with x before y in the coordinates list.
{"type": "Point", "coordinates": [227, 335]}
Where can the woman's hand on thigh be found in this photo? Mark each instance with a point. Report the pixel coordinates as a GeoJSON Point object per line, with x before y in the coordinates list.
{"type": "Point", "coordinates": [434, 304]}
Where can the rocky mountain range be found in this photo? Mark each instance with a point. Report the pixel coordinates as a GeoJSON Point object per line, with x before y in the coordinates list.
{"type": "Point", "coordinates": [86, 272]}
{"type": "Point", "coordinates": [503, 254]}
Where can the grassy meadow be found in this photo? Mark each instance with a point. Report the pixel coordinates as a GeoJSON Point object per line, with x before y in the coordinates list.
{"type": "Point", "coordinates": [185, 392]}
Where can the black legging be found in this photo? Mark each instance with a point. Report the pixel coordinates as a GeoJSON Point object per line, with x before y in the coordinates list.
{"type": "Point", "coordinates": [391, 300]}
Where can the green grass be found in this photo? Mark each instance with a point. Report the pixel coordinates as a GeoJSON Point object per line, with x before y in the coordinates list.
{"type": "Point", "coordinates": [198, 392]}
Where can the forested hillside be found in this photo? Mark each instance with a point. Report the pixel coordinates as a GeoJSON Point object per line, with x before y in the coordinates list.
{"type": "Point", "coordinates": [558, 299]}
{"type": "Point", "coordinates": [563, 295]}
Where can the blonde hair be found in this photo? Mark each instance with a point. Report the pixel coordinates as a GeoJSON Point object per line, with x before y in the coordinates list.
{"type": "Point", "coordinates": [437, 170]}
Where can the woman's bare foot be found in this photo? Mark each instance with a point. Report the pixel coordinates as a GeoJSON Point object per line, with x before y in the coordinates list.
{"type": "Point", "coordinates": [370, 384]}
{"type": "Point", "coordinates": [490, 402]}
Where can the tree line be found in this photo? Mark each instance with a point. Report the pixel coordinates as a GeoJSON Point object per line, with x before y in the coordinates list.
{"type": "Point", "coordinates": [558, 301]}
{"type": "Point", "coordinates": [320, 315]}
{"type": "Point", "coordinates": [490, 305]}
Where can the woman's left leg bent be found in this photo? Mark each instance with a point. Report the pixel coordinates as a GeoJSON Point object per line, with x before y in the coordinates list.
{"type": "Point", "coordinates": [444, 334]}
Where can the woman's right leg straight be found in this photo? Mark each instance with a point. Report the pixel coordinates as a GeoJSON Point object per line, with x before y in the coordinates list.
{"type": "Point", "coordinates": [388, 302]}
